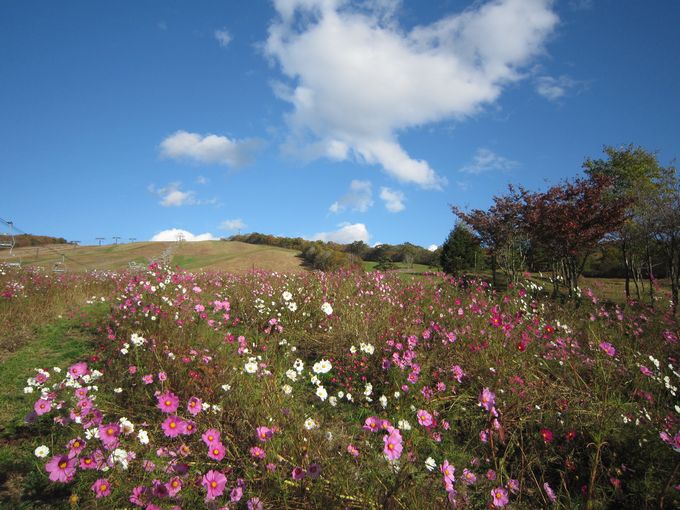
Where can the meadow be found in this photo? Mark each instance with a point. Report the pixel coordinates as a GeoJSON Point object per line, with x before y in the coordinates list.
{"type": "Point", "coordinates": [175, 389]}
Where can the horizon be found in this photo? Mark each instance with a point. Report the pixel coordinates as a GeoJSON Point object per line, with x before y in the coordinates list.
{"type": "Point", "coordinates": [327, 120]}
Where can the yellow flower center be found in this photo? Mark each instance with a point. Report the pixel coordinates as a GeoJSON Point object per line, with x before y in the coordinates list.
{"type": "Point", "coordinates": [390, 446]}
{"type": "Point", "coordinates": [213, 484]}
{"type": "Point", "coordinates": [62, 465]}
{"type": "Point", "coordinates": [168, 403]}
{"type": "Point", "coordinates": [172, 424]}
{"type": "Point", "coordinates": [103, 488]}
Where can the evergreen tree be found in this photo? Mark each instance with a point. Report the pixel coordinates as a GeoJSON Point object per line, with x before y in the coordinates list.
{"type": "Point", "coordinates": [460, 250]}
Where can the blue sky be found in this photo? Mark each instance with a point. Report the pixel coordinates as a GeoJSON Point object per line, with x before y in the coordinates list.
{"type": "Point", "coordinates": [323, 119]}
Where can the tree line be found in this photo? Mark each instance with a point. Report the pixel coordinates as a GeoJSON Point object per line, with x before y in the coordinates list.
{"type": "Point", "coordinates": [626, 206]}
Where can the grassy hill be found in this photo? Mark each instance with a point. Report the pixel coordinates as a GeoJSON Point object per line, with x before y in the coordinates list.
{"type": "Point", "coordinates": [222, 255]}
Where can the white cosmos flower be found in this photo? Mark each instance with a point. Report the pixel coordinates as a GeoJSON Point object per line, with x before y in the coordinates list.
{"type": "Point", "coordinates": [287, 296]}
{"type": "Point", "coordinates": [292, 375]}
{"type": "Point", "coordinates": [42, 451]}
{"type": "Point", "coordinates": [327, 308]}
{"type": "Point", "coordinates": [430, 464]}
{"type": "Point", "coordinates": [287, 389]}
{"type": "Point", "coordinates": [250, 367]}
{"type": "Point", "coordinates": [143, 437]}
{"type": "Point", "coordinates": [321, 393]}
{"type": "Point", "coordinates": [322, 367]}
{"type": "Point", "coordinates": [310, 424]}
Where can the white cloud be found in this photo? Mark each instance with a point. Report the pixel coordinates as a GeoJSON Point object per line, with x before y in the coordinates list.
{"type": "Point", "coordinates": [172, 196]}
{"type": "Point", "coordinates": [347, 233]}
{"type": "Point", "coordinates": [232, 225]}
{"type": "Point", "coordinates": [359, 198]}
{"type": "Point", "coordinates": [554, 88]}
{"type": "Point", "coordinates": [210, 149]}
{"type": "Point", "coordinates": [486, 160]}
{"type": "Point", "coordinates": [357, 79]}
{"type": "Point", "coordinates": [174, 234]}
{"type": "Point", "coordinates": [223, 37]}
{"type": "Point", "coordinates": [202, 180]}
{"type": "Point", "coordinates": [432, 247]}
{"type": "Point", "coordinates": [394, 200]}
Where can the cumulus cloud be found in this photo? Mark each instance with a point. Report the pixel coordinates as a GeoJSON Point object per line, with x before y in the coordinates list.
{"type": "Point", "coordinates": [432, 247]}
{"type": "Point", "coordinates": [210, 149]}
{"type": "Point", "coordinates": [347, 233]}
{"type": "Point", "coordinates": [356, 78]}
{"type": "Point", "coordinates": [486, 160]}
{"type": "Point", "coordinates": [394, 200]}
{"type": "Point", "coordinates": [173, 196]}
{"type": "Point", "coordinates": [359, 198]}
{"type": "Point", "coordinates": [554, 88]}
{"type": "Point", "coordinates": [175, 234]}
{"type": "Point", "coordinates": [223, 37]}
{"type": "Point", "coordinates": [232, 225]}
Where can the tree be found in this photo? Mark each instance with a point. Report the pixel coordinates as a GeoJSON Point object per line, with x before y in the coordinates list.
{"type": "Point", "coordinates": [633, 173]}
{"type": "Point", "coordinates": [460, 250]}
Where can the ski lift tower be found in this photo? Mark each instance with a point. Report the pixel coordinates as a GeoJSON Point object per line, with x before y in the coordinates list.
{"type": "Point", "coordinates": [7, 242]}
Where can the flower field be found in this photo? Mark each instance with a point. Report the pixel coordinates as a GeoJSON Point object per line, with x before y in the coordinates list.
{"type": "Point", "coordinates": [350, 390]}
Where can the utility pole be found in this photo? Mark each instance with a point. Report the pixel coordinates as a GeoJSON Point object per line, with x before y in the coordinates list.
{"type": "Point", "coordinates": [115, 238]}
{"type": "Point", "coordinates": [100, 239]}
{"type": "Point", "coordinates": [132, 239]}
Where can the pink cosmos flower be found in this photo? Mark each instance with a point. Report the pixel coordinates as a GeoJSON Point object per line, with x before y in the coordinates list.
{"type": "Point", "coordinates": [372, 423]}
{"type": "Point", "coordinates": [352, 450]}
{"type": "Point", "coordinates": [173, 486]}
{"type": "Point", "coordinates": [101, 488]}
{"type": "Point", "coordinates": [549, 492]}
{"type": "Point", "coordinates": [147, 379]}
{"type": "Point", "coordinates": [188, 427]}
{"type": "Point", "coordinates": [608, 348]}
{"type": "Point", "coordinates": [487, 399]}
{"type": "Point", "coordinates": [88, 462]}
{"type": "Point", "coordinates": [75, 446]}
{"type": "Point", "coordinates": [195, 405]}
{"type": "Point", "coordinates": [448, 471]}
{"type": "Point", "coordinates": [264, 433]}
{"type": "Point", "coordinates": [500, 497]}
{"type": "Point", "coordinates": [424, 418]}
{"type": "Point", "coordinates": [162, 376]}
{"type": "Point", "coordinates": [42, 406]}
{"type": "Point", "coordinates": [81, 393]}
{"type": "Point", "coordinates": [78, 369]}
{"type": "Point", "coordinates": [236, 494]}
{"type": "Point", "coordinates": [646, 371]}
{"type": "Point", "coordinates": [214, 483]}
{"type": "Point", "coordinates": [211, 436]}
{"type": "Point", "coordinates": [298, 473]}
{"type": "Point", "coordinates": [469, 477]}
{"type": "Point", "coordinates": [257, 452]}
{"type": "Point", "coordinates": [172, 426]}
{"type": "Point", "coordinates": [108, 435]}
{"type": "Point", "coordinates": [314, 470]}
{"type": "Point", "coordinates": [393, 446]}
{"type": "Point", "coordinates": [255, 504]}
{"type": "Point", "coordinates": [139, 495]}
{"type": "Point", "coordinates": [61, 468]}
{"type": "Point", "coordinates": [168, 402]}
{"type": "Point", "coordinates": [216, 451]}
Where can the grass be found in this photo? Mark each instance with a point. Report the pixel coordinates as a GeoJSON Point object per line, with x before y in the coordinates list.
{"type": "Point", "coordinates": [209, 255]}
{"type": "Point", "coordinates": [60, 343]}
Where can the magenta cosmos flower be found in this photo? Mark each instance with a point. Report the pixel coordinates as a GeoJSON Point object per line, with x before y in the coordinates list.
{"type": "Point", "coordinates": [214, 483]}
{"type": "Point", "coordinates": [264, 433]}
{"type": "Point", "coordinates": [42, 406]}
{"type": "Point", "coordinates": [487, 399]}
{"type": "Point", "coordinates": [173, 426]}
{"type": "Point", "coordinates": [373, 423]}
{"type": "Point", "coordinates": [298, 473]}
{"type": "Point", "coordinates": [101, 488]}
{"type": "Point", "coordinates": [393, 446]}
{"type": "Point", "coordinates": [174, 486]}
{"type": "Point", "coordinates": [61, 468]}
{"type": "Point", "coordinates": [216, 451]}
{"type": "Point", "coordinates": [448, 471]}
{"type": "Point", "coordinates": [424, 418]}
{"type": "Point", "coordinates": [211, 436]}
{"type": "Point", "coordinates": [608, 348]}
{"type": "Point", "coordinates": [168, 402]}
{"type": "Point", "coordinates": [500, 497]}
{"type": "Point", "coordinates": [257, 452]}
{"type": "Point", "coordinates": [75, 446]}
{"type": "Point", "coordinates": [78, 369]}
{"type": "Point", "coordinates": [195, 405]}
{"type": "Point", "coordinates": [108, 435]}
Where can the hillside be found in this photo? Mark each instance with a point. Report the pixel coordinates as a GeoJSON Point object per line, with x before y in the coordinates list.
{"type": "Point", "coordinates": [222, 255]}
